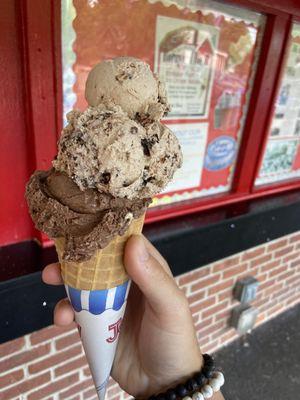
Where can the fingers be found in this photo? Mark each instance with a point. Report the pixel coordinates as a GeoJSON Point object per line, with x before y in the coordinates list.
{"type": "Point", "coordinates": [150, 274]}
{"type": "Point", "coordinates": [155, 253]}
{"type": "Point", "coordinates": [63, 313]}
{"type": "Point", "coordinates": [52, 275]}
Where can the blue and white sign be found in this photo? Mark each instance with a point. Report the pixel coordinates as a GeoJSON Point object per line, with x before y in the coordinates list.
{"type": "Point", "coordinates": [220, 153]}
{"type": "Point", "coordinates": [99, 314]}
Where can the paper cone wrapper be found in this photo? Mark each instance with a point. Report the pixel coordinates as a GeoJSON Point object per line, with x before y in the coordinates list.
{"type": "Point", "coordinates": [98, 290]}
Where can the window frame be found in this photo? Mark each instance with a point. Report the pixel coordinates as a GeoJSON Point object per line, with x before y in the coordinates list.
{"type": "Point", "coordinates": [42, 31]}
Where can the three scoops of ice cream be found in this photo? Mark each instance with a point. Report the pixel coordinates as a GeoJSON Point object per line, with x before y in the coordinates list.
{"type": "Point", "coordinates": [112, 159]}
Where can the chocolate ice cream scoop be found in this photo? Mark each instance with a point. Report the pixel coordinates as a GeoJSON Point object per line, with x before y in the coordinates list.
{"type": "Point", "coordinates": [88, 220]}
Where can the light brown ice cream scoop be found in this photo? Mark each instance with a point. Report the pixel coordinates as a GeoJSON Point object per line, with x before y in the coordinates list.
{"type": "Point", "coordinates": [104, 149]}
{"type": "Point", "coordinates": [129, 83]}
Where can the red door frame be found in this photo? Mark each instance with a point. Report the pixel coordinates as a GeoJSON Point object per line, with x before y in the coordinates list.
{"type": "Point", "coordinates": [42, 33]}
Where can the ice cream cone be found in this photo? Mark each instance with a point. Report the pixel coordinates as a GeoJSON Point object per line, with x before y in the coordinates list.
{"type": "Point", "coordinates": [98, 290]}
{"type": "Point", "coordinates": [105, 269]}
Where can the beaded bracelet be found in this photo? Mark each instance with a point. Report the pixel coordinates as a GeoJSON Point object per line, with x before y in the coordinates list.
{"type": "Point", "coordinates": [201, 386]}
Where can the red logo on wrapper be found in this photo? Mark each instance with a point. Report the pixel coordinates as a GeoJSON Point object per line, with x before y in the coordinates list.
{"type": "Point", "coordinates": [115, 328]}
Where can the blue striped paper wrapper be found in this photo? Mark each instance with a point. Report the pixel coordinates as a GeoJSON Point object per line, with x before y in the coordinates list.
{"type": "Point", "coordinates": [99, 314]}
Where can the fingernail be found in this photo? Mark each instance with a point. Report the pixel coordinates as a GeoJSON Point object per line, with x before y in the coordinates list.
{"type": "Point", "coordinates": [143, 254]}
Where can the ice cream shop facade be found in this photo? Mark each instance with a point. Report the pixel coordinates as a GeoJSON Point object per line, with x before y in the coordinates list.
{"type": "Point", "coordinates": [229, 223]}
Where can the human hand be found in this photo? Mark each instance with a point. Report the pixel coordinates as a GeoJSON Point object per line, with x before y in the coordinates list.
{"type": "Point", "coordinates": [157, 346]}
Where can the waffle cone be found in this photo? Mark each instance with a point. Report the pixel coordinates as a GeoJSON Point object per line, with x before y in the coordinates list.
{"type": "Point", "coordinates": [104, 269]}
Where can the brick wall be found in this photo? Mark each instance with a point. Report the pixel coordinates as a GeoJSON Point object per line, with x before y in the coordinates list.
{"type": "Point", "coordinates": [50, 364]}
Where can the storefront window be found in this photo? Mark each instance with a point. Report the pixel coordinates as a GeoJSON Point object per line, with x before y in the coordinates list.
{"type": "Point", "coordinates": [206, 52]}
{"type": "Point", "coordinates": [281, 160]}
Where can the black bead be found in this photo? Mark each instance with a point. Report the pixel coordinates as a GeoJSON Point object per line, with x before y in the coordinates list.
{"type": "Point", "coordinates": [191, 385]}
{"type": "Point", "coordinates": [160, 396]}
{"type": "Point", "coordinates": [208, 359]}
{"type": "Point", "coordinates": [208, 371]}
{"type": "Point", "coordinates": [170, 394]}
{"type": "Point", "coordinates": [200, 379]}
{"type": "Point", "coordinates": [181, 390]}
{"type": "Point", "coordinates": [152, 398]}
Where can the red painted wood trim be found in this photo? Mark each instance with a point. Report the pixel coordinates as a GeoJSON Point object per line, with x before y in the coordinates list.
{"type": "Point", "coordinates": [40, 79]}
{"type": "Point", "coordinates": [261, 103]}
{"type": "Point", "coordinates": [195, 206]}
{"type": "Point", "coordinates": [274, 7]}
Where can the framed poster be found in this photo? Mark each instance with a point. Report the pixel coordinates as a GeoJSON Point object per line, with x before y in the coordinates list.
{"type": "Point", "coordinates": [185, 53]}
{"type": "Point", "coordinates": [281, 160]}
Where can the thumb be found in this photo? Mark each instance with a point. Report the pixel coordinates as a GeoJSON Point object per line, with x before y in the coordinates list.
{"type": "Point", "coordinates": [148, 272]}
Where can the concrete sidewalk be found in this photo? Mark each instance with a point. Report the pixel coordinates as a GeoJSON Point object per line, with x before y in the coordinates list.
{"type": "Point", "coordinates": [265, 365]}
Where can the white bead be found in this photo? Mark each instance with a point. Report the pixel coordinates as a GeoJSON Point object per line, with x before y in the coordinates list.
{"type": "Point", "coordinates": [215, 385]}
{"type": "Point", "coordinates": [198, 396]}
{"type": "Point", "coordinates": [219, 377]}
{"type": "Point", "coordinates": [187, 398]}
{"type": "Point", "coordinates": [207, 391]}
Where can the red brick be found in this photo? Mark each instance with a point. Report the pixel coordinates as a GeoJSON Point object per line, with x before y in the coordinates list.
{"type": "Point", "coordinates": [285, 275]}
{"type": "Point", "coordinates": [291, 280]}
{"type": "Point", "coordinates": [10, 378]}
{"type": "Point", "coordinates": [293, 300]}
{"type": "Point", "coordinates": [24, 357]}
{"type": "Point", "coordinates": [211, 347]}
{"type": "Point", "coordinates": [219, 333]}
{"type": "Point", "coordinates": [113, 391]}
{"type": "Point", "coordinates": [11, 347]}
{"type": "Point", "coordinates": [291, 257]}
{"type": "Point", "coordinates": [274, 310]}
{"type": "Point", "coordinates": [75, 389]}
{"type": "Point", "coordinates": [49, 333]}
{"type": "Point", "coordinates": [270, 265]}
{"type": "Point", "coordinates": [260, 260]}
{"type": "Point", "coordinates": [295, 263]}
{"type": "Point", "coordinates": [67, 341]}
{"type": "Point", "coordinates": [56, 359]}
{"type": "Point", "coordinates": [202, 305]}
{"type": "Point", "coordinates": [277, 271]}
{"type": "Point", "coordinates": [268, 305]}
{"type": "Point", "coordinates": [89, 393]}
{"type": "Point", "coordinates": [193, 276]}
{"type": "Point", "coordinates": [259, 303]}
{"type": "Point", "coordinates": [226, 294]}
{"type": "Point", "coordinates": [239, 269]}
{"type": "Point", "coordinates": [284, 251]}
{"type": "Point", "coordinates": [204, 324]}
{"type": "Point", "coordinates": [250, 254]}
{"type": "Point", "coordinates": [215, 309]}
{"type": "Point", "coordinates": [54, 386]}
{"type": "Point", "coordinates": [196, 297]}
{"type": "Point", "coordinates": [227, 263]}
{"type": "Point", "coordinates": [70, 366]}
{"type": "Point", "coordinates": [23, 387]}
{"type": "Point", "coordinates": [277, 245]}
{"type": "Point", "coordinates": [228, 335]}
{"type": "Point", "coordinates": [261, 277]}
{"type": "Point", "coordinates": [260, 318]}
{"type": "Point", "coordinates": [294, 238]}
{"type": "Point", "coordinates": [203, 341]}
{"type": "Point", "coordinates": [204, 283]}
{"type": "Point", "coordinates": [210, 329]}
{"type": "Point", "coordinates": [273, 289]}
{"type": "Point", "coordinates": [221, 286]}
{"type": "Point", "coordinates": [266, 284]}
{"type": "Point", "coordinates": [223, 315]}
{"type": "Point", "coordinates": [87, 372]}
